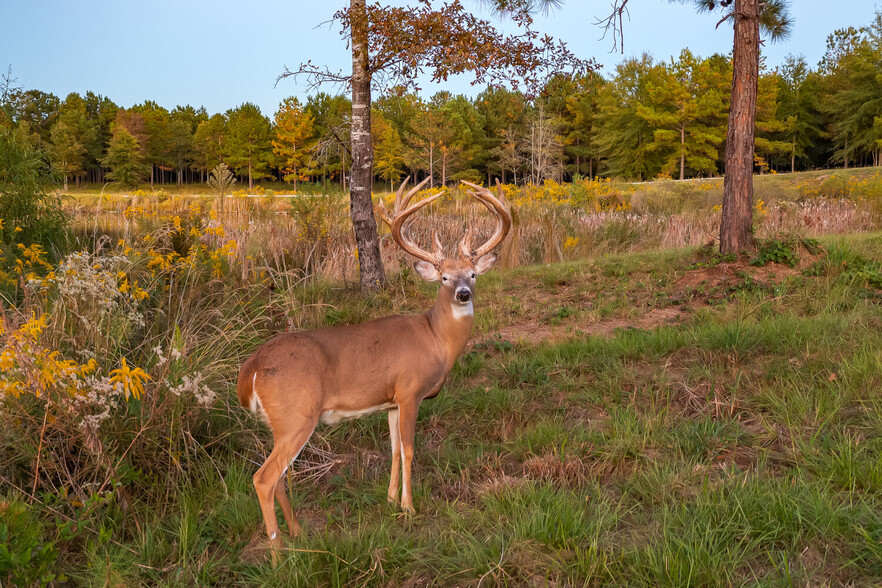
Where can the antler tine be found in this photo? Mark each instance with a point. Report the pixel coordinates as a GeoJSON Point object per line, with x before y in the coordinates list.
{"type": "Point", "coordinates": [465, 245]}
{"type": "Point", "coordinates": [402, 212]}
{"type": "Point", "coordinates": [403, 202]}
{"type": "Point", "coordinates": [399, 192]}
{"type": "Point", "coordinates": [438, 247]}
{"type": "Point", "coordinates": [503, 216]}
{"type": "Point", "coordinates": [381, 208]}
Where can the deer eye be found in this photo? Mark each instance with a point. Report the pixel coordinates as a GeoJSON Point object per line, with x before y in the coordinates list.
{"type": "Point", "coordinates": [473, 275]}
{"type": "Point", "coordinates": [443, 278]}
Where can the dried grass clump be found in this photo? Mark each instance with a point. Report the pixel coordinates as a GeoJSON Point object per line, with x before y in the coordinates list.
{"type": "Point", "coordinates": [559, 470]}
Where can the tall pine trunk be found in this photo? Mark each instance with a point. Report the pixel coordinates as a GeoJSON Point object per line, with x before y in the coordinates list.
{"type": "Point", "coordinates": [682, 152]}
{"type": "Point", "coordinates": [431, 165]}
{"type": "Point", "coordinates": [361, 208]}
{"type": "Point", "coordinates": [736, 227]}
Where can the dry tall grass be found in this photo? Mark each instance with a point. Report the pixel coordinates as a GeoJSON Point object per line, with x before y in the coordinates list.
{"type": "Point", "coordinates": [310, 236]}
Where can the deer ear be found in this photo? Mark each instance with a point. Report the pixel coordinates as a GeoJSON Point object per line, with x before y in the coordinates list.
{"type": "Point", "coordinates": [427, 271]}
{"type": "Point", "coordinates": [484, 263]}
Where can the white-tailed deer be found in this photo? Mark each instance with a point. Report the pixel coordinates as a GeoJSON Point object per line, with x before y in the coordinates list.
{"type": "Point", "coordinates": [297, 380]}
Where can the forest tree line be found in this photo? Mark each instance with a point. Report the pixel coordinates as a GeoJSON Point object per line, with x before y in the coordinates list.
{"type": "Point", "coordinates": [652, 118]}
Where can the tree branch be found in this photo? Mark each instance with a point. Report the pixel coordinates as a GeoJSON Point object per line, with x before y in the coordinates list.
{"type": "Point", "coordinates": [315, 76]}
{"type": "Point", "coordinates": [614, 22]}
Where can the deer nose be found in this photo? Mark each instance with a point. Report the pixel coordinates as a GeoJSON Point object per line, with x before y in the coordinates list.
{"type": "Point", "coordinates": [463, 295]}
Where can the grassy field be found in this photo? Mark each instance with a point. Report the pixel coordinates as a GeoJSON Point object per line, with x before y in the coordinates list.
{"type": "Point", "coordinates": [632, 415]}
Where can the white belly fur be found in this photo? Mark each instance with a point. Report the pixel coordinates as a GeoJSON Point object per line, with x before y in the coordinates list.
{"type": "Point", "coordinates": [332, 417]}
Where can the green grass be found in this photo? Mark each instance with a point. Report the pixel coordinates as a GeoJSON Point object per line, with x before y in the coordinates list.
{"type": "Point", "coordinates": [740, 446]}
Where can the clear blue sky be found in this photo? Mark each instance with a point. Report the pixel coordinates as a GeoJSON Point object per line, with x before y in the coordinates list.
{"type": "Point", "coordinates": [221, 53]}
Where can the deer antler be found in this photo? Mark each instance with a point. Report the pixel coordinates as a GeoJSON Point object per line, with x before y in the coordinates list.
{"type": "Point", "coordinates": [400, 214]}
{"type": "Point", "coordinates": [503, 221]}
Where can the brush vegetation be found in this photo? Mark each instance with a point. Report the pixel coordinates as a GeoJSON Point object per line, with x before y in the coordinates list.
{"type": "Point", "coordinates": [634, 408]}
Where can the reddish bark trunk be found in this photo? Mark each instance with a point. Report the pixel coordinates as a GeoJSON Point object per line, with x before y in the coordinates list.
{"type": "Point", "coordinates": [736, 227]}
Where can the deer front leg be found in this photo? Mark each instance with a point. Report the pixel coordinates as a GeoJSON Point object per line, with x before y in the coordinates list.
{"type": "Point", "coordinates": [407, 416]}
{"type": "Point", "coordinates": [395, 441]}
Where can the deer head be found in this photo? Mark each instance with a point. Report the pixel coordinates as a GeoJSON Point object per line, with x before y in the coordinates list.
{"type": "Point", "coordinates": [457, 275]}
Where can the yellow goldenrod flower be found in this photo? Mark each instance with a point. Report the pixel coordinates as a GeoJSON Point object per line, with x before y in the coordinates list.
{"type": "Point", "coordinates": [33, 327]}
{"type": "Point", "coordinates": [88, 368]}
{"type": "Point", "coordinates": [132, 379]}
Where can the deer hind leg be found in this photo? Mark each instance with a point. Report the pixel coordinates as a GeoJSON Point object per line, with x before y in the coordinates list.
{"type": "Point", "coordinates": [282, 497]}
{"type": "Point", "coordinates": [267, 482]}
{"type": "Point", "coordinates": [395, 440]}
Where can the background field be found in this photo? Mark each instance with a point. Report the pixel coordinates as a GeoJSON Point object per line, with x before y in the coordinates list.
{"type": "Point", "coordinates": [633, 409]}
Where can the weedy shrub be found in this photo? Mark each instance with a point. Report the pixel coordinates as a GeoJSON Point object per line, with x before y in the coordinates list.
{"type": "Point", "coordinates": [708, 256]}
{"type": "Point", "coordinates": [98, 428]}
{"type": "Point", "coordinates": [784, 250]}
{"type": "Point", "coordinates": [33, 224]}
{"type": "Point", "coordinates": [221, 179]}
{"type": "Point", "coordinates": [30, 211]}
{"type": "Point", "coordinates": [850, 268]}
{"type": "Point", "coordinates": [775, 251]}
{"type": "Point", "coordinates": [26, 558]}
{"type": "Point", "coordinates": [112, 365]}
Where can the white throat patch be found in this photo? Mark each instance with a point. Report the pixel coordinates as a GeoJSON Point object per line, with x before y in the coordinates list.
{"type": "Point", "coordinates": [462, 310]}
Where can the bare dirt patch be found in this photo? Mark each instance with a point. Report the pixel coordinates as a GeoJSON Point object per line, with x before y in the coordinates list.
{"type": "Point", "coordinates": [534, 332]}
{"type": "Point", "coordinates": [730, 273]}
{"type": "Point", "coordinates": [551, 312]}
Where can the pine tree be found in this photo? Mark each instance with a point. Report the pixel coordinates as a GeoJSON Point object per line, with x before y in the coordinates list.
{"type": "Point", "coordinates": [294, 137]}
{"type": "Point", "coordinates": [31, 211]}
{"type": "Point", "coordinates": [211, 142]}
{"type": "Point", "coordinates": [330, 115]}
{"type": "Point", "coordinates": [504, 115]}
{"type": "Point", "coordinates": [768, 125]}
{"type": "Point", "coordinates": [686, 107]}
{"type": "Point", "coordinates": [127, 164]}
{"type": "Point", "coordinates": [66, 150]}
{"type": "Point", "coordinates": [799, 108]}
{"type": "Point", "coordinates": [388, 149]}
{"type": "Point", "coordinates": [248, 142]}
{"type": "Point", "coordinates": [72, 136]}
{"type": "Point", "coordinates": [158, 144]}
{"type": "Point", "coordinates": [623, 137]}
{"type": "Point", "coordinates": [430, 139]}
{"type": "Point", "coordinates": [854, 82]}
{"type": "Point", "coordinates": [573, 100]}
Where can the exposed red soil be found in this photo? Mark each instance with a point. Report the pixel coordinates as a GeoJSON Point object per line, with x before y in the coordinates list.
{"type": "Point", "coordinates": [688, 288]}
{"type": "Point", "coordinates": [534, 332]}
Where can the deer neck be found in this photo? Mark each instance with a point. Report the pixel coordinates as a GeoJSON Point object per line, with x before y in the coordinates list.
{"type": "Point", "coordinates": [451, 322]}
